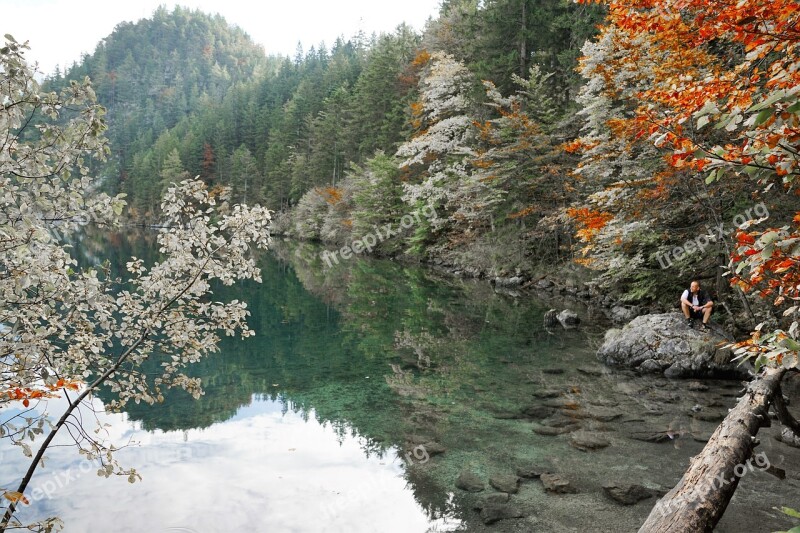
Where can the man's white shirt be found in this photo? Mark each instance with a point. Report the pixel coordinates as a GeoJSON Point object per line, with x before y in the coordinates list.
{"type": "Point", "coordinates": [685, 296]}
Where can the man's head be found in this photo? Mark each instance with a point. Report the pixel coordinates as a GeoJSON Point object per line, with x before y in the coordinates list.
{"type": "Point", "coordinates": [695, 286]}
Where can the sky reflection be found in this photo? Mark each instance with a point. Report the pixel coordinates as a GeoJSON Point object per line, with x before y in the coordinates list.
{"type": "Point", "coordinates": [262, 470]}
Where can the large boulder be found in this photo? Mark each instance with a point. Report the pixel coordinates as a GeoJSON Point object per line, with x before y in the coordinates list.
{"type": "Point", "coordinates": [664, 343]}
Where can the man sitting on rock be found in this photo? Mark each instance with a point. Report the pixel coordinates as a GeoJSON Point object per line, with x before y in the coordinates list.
{"type": "Point", "coordinates": [695, 303]}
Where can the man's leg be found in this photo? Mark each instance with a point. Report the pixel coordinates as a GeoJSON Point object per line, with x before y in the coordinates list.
{"type": "Point", "coordinates": [707, 313]}
{"type": "Point", "coordinates": [687, 312]}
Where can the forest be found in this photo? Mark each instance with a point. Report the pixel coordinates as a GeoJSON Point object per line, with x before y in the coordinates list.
{"type": "Point", "coordinates": [541, 132]}
{"type": "Point", "coordinates": [651, 144]}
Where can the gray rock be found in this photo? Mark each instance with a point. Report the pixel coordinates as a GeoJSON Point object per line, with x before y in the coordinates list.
{"type": "Point", "coordinates": [551, 318]}
{"type": "Point", "coordinates": [470, 482]}
{"type": "Point", "coordinates": [601, 414]}
{"type": "Point", "coordinates": [549, 431]}
{"type": "Point", "coordinates": [677, 370]}
{"type": "Point", "coordinates": [494, 512]}
{"type": "Point", "coordinates": [709, 416]}
{"type": "Point", "coordinates": [651, 366]}
{"type": "Point", "coordinates": [663, 343]}
{"type": "Point", "coordinates": [507, 483]}
{"type": "Point", "coordinates": [562, 403]}
{"type": "Point", "coordinates": [568, 318]}
{"type": "Point", "coordinates": [652, 436]}
{"type": "Point", "coordinates": [789, 438]}
{"type": "Point", "coordinates": [543, 284]}
{"type": "Point", "coordinates": [515, 281]}
{"type": "Point", "coordinates": [559, 421]}
{"type": "Point", "coordinates": [697, 386]}
{"type": "Point", "coordinates": [587, 441]}
{"type": "Point", "coordinates": [533, 471]}
{"type": "Point", "coordinates": [538, 411]}
{"type": "Point", "coordinates": [623, 315]}
{"type": "Point", "coordinates": [627, 494]}
{"type": "Point", "coordinates": [490, 499]}
{"type": "Point", "coordinates": [434, 448]}
{"type": "Point", "coordinates": [556, 484]}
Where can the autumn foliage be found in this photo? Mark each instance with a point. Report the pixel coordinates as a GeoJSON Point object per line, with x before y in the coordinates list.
{"type": "Point", "coordinates": [589, 222]}
{"type": "Point", "coordinates": [332, 195]}
{"type": "Point", "coordinates": [713, 86]}
{"type": "Point", "coordinates": [26, 394]}
{"type": "Point", "coordinates": [699, 81]}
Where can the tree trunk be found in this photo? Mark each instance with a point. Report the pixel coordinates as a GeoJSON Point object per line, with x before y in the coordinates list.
{"type": "Point", "coordinates": [523, 44]}
{"type": "Point", "coordinates": [700, 498]}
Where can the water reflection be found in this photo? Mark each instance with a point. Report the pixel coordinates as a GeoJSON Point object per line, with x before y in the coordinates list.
{"type": "Point", "coordinates": [304, 426]}
{"type": "Point", "coordinates": [264, 469]}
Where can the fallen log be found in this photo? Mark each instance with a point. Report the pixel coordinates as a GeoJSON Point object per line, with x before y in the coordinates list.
{"type": "Point", "coordinates": [700, 498]}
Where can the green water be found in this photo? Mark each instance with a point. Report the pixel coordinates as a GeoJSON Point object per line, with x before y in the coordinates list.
{"type": "Point", "coordinates": [325, 419]}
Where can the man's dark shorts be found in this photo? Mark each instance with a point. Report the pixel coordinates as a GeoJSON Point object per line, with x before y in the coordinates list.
{"type": "Point", "coordinates": [698, 314]}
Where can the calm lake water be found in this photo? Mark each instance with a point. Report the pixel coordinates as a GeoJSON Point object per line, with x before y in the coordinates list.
{"type": "Point", "coordinates": [368, 389]}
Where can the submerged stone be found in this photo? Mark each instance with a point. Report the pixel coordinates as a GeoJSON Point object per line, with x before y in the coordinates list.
{"type": "Point", "coordinates": [556, 484]}
{"type": "Point", "coordinates": [491, 499]}
{"type": "Point", "coordinates": [549, 431]}
{"type": "Point", "coordinates": [505, 483]}
{"type": "Point", "coordinates": [538, 411]}
{"type": "Point", "coordinates": [533, 471]}
{"type": "Point", "coordinates": [470, 482]}
{"type": "Point", "coordinates": [586, 441]}
{"type": "Point", "coordinates": [627, 494]}
{"type": "Point", "coordinates": [494, 512]}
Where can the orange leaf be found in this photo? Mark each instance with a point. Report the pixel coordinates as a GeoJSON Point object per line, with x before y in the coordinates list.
{"type": "Point", "coordinates": [14, 496]}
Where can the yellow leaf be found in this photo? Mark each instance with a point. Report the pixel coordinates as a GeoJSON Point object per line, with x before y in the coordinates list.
{"type": "Point", "coordinates": [15, 497]}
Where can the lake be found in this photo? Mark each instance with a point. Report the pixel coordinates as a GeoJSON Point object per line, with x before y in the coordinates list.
{"type": "Point", "coordinates": [368, 390]}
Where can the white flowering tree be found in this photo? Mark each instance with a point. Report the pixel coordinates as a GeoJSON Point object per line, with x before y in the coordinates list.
{"type": "Point", "coordinates": [440, 151]}
{"type": "Point", "coordinates": [66, 331]}
{"type": "Point", "coordinates": [613, 170]}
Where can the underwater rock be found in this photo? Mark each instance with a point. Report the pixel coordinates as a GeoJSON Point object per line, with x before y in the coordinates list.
{"type": "Point", "coordinates": [491, 499]}
{"type": "Point", "coordinates": [788, 437]}
{"type": "Point", "coordinates": [538, 411]}
{"type": "Point", "coordinates": [587, 441]}
{"type": "Point", "coordinates": [549, 431]}
{"type": "Point", "coordinates": [494, 512]}
{"type": "Point", "coordinates": [507, 483]}
{"type": "Point", "coordinates": [470, 482]}
{"type": "Point", "coordinates": [533, 471]}
{"type": "Point", "coordinates": [627, 494]}
{"type": "Point", "coordinates": [556, 484]}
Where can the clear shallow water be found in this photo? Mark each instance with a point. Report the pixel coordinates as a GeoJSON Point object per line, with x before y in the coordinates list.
{"type": "Point", "coordinates": [316, 423]}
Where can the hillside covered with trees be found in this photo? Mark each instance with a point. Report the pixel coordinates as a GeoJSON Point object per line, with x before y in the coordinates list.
{"type": "Point", "coordinates": [539, 133]}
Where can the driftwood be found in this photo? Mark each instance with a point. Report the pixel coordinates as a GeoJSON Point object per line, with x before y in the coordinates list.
{"type": "Point", "coordinates": [700, 498]}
